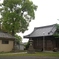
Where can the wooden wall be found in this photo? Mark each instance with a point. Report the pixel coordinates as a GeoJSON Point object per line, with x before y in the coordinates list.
{"type": "Point", "coordinates": [50, 43]}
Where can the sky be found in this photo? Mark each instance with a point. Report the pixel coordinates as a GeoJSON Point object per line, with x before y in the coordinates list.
{"type": "Point", "coordinates": [47, 14]}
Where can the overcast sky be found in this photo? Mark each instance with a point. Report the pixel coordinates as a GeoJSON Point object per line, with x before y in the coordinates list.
{"type": "Point", "coordinates": [47, 13]}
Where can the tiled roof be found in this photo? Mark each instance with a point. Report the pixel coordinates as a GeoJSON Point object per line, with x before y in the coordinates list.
{"type": "Point", "coordinates": [42, 31]}
{"type": "Point", "coordinates": [6, 35]}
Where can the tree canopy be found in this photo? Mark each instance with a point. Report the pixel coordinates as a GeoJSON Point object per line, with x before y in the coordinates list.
{"type": "Point", "coordinates": [16, 15]}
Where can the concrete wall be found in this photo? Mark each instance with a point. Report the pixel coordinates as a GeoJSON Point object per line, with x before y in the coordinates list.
{"type": "Point", "coordinates": [22, 47]}
{"type": "Point", "coordinates": [6, 47]}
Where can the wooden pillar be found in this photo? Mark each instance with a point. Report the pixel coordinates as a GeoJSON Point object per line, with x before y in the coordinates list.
{"type": "Point", "coordinates": [43, 43]}
{"type": "Point", "coordinates": [31, 49]}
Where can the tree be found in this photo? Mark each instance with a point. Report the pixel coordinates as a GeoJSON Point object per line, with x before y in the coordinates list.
{"type": "Point", "coordinates": [27, 45]}
{"type": "Point", "coordinates": [56, 34]}
{"type": "Point", "coordinates": [16, 15]}
{"type": "Point", "coordinates": [18, 39]}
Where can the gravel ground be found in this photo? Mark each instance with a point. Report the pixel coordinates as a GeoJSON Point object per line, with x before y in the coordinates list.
{"type": "Point", "coordinates": [28, 57]}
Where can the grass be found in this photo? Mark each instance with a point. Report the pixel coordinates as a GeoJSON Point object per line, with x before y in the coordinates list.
{"type": "Point", "coordinates": [42, 54]}
{"type": "Point", "coordinates": [50, 54]}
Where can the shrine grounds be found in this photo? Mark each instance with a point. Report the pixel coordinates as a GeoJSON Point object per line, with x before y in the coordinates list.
{"type": "Point", "coordinates": [25, 55]}
{"type": "Point", "coordinates": [46, 54]}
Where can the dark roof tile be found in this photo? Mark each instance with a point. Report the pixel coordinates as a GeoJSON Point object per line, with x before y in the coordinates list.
{"type": "Point", "coordinates": [42, 31]}
{"type": "Point", "coordinates": [6, 35]}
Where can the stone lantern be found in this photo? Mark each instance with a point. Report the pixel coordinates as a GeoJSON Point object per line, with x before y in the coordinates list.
{"type": "Point", "coordinates": [31, 49]}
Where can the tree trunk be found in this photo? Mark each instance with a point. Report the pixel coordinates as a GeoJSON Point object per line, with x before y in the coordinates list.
{"type": "Point", "coordinates": [13, 32]}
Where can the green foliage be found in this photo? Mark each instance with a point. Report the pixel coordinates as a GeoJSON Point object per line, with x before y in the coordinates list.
{"type": "Point", "coordinates": [18, 39]}
{"type": "Point", "coordinates": [56, 34]}
{"type": "Point", "coordinates": [16, 15]}
{"type": "Point", "coordinates": [27, 45]}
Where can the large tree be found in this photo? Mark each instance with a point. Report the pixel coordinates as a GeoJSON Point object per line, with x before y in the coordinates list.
{"type": "Point", "coordinates": [16, 15]}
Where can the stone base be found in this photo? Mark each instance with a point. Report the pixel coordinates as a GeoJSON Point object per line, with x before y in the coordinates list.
{"type": "Point", "coordinates": [31, 50]}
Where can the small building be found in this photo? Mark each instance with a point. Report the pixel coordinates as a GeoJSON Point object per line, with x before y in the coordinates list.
{"type": "Point", "coordinates": [6, 42]}
{"type": "Point", "coordinates": [44, 39]}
